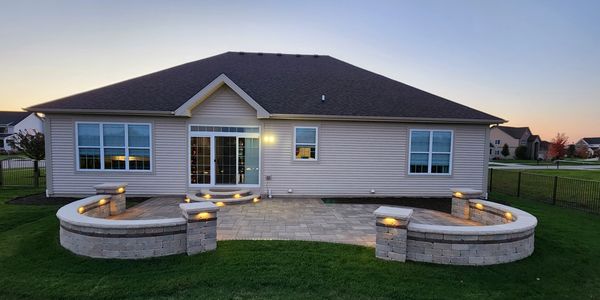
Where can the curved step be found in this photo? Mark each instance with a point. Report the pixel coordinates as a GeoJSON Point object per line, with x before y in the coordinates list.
{"type": "Point", "coordinates": [245, 199]}
{"type": "Point", "coordinates": [223, 194]}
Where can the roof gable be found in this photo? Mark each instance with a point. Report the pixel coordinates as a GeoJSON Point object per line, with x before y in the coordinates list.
{"type": "Point", "coordinates": [277, 83]}
{"type": "Point", "coordinates": [12, 117]}
{"type": "Point", "coordinates": [202, 95]}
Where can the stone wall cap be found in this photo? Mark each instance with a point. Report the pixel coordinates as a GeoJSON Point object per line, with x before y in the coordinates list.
{"type": "Point", "coordinates": [394, 212]}
{"type": "Point", "coordinates": [466, 191]}
{"type": "Point", "coordinates": [110, 185]}
{"type": "Point", "coordinates": [69, 214]}
{"type": "Point", "coordinates": [198, 206]}
{"type": "Point", "coordinates": [523, 221]}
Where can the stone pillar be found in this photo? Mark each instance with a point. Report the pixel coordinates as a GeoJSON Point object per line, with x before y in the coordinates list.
{"type": "Point", "coordinates": [391, 225]}
{"type": "Point", "coordinates": [116, 190]}
{"type": "Point", "coordinates": [460, 201]}
{"type": "Point", "coordinates": [201, 226]}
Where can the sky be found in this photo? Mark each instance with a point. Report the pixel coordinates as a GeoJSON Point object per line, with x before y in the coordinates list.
{"type": "Point", "coordinates": [533, 63]}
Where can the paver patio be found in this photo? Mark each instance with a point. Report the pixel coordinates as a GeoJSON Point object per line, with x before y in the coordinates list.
{"type": "Point", "coordinates": [291, 219]}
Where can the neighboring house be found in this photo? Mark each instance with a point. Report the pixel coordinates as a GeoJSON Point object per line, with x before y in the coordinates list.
{"type": "Point", "coordinates": [593, 144]}
{"type": "Point", "coordinates": [299, 125]}
{"type": "Point", "coordinates": [515, 137]}
{"type": "Point", "coordinates": [12, 122]}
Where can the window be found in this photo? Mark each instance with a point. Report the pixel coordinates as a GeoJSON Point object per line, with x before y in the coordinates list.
{"type": "Point", "coordinates": [305, 143]}
{"type": "Point", "coordinates": [497, 152]}
{"type": "Point", "coordinates": [430, 151]}
{"type": "Point", "coordinates": [497, 142]}
{"type": "Point", "coordinates": [113, 146]}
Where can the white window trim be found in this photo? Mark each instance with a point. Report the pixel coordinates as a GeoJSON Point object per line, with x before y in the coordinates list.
{"type": "Point", "coordinates": [430, 152]}
{"type": "Point", "coordinates": [316, 144]}
{"type": "Point", "coordinates": [102, 169]}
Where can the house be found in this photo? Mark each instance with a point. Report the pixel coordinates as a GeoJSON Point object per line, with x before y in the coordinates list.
{"type": "Point", "coordinates": [12, 122]}
{"type": "Point", "coordinates": [298, 125]}
{"type": "Point", "coordinates": [515, 137]}
{"type": "Point", "coordinates": [592, 143]}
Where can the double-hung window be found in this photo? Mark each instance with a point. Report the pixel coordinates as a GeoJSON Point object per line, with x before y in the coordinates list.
{"type": "Point", "coordinates": [305, 143]}
{"type": "Point", "coordinates": [113, 146]}
{"type": "Point", "coordinates": [430, 152]}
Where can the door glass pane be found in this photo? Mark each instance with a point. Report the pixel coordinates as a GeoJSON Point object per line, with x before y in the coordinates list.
{"type": "Point", "coordinates": [200, 160]}
{"type": "Point", "coordinates": [248, 166]}
{"type": "Point", "coordinates": [225, 160]}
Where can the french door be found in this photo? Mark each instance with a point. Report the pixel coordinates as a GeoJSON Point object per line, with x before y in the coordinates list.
{"type": "Point", "coordinates": [224, 160]}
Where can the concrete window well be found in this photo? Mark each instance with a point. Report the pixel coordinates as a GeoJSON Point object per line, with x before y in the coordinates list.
{"type": "Point", "coordinates": [86, 228]}
{"type": "Point", "coordinates": [506, 234]}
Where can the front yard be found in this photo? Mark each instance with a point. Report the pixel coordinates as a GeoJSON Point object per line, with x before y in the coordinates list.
{"type": "Point", "coordinates": [34, 266]}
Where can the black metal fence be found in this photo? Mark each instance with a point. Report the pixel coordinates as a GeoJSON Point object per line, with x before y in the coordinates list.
{"type": "Point", "coordinates": [560, 191]}
{"type": "Point", "coordinates": [21, 172]}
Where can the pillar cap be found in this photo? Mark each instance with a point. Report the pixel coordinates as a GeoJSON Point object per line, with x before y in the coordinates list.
{"type": "Point", "coordinates": [393, 212]}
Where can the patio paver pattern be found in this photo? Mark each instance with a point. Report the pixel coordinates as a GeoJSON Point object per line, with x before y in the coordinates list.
{"type": "Point", "coordinates": [292, 219]}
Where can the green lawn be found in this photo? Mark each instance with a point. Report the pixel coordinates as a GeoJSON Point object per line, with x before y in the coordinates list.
{"type": "Point", "coordinates": [22, 177]}
{"type": "Point", "coordinates": [566, 162]}
{"type": "Point", "coordinates": [6, 156]}
{"type": "Point", "coordinates": [34, 266]}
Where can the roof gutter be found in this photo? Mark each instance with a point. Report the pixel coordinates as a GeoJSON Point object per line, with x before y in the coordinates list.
{"type": "Point", "coordinates": [385, 119]}
{"type": "Point", "coordinates": [160, 113]}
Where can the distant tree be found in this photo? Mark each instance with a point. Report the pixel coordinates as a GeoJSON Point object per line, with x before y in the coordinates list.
{"type": "Point", "coordinates": [582, 151]}
{"type": "Point", "coordinates": [521, 152]}
{"type": "Point", "coordinates": [31, 144]}
{"type": "Point", "coordinates": [505, 151]}
{"type": "Point", "coordinates": [571, 150]}
{"type": "Point", "coordinates": [557, 149]}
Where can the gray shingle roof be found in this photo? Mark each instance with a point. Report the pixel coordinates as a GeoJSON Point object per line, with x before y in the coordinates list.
{"type": "Point", "coordinates": [592, 140]}
{"type": "Point", "coordinates": [281, 84]}
{"type": "Point", "coordinates": [12, 117]}
{"type": "Point", "coordinates": [515, 132]}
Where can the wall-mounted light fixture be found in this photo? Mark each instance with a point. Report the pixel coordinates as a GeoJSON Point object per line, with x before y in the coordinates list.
{"type": "Point", "coordinates": [268, 138]}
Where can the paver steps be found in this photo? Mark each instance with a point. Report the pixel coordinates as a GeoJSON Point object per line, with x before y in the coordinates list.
{"type": "Point", "coordinates": [224, 196]}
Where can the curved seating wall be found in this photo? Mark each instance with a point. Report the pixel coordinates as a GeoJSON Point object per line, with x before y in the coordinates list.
{"type": "Point", "coordinates": [504, 238]}
{"type": "Point", "coordinates": [84, 231]}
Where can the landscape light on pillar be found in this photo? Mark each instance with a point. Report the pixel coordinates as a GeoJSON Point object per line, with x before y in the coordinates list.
{"type": "Point", "coordinates": [121, 190]}
{"type": "Point", "coordinates": [187, 200]}
{"type": "Point", "coordinates": [389, 221]}
{"type": "Point", "coordinates": [458, 195]}
{"type": "Point", "coordinates": [479, 206]}
{"type": "Point", "coordinates": [508, 216]}
{"type": "Point", "coordinates": [220, 203]}
{"type": "Point", "coordinates": [237, 196]}
{"type": "Point", "coordinates": [81, 210]}
{"type": "Point", "coordinates": [102, 202]}
{"type": "Point", "coordinates": [207, 196]}
{"type": "Point", "coordinates": [255, 199]}
{"type": "Point", "coordinates": [203, 216]}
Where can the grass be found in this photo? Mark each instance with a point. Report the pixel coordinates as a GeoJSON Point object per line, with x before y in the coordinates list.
{"type": "Point", "coordinates": [22, 177]}
{"type": "Point", "coordinates": [578, 174]}
{"type": "Point", "coordinates": [34, 266]}
{"type": "Point", "coordinates": [10, 156]}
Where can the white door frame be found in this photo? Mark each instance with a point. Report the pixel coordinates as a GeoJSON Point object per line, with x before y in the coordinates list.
{"type": "Point", "coordinates": [212, 135]}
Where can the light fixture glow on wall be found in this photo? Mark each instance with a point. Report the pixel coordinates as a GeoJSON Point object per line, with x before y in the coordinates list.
{"type": "Point", "coordinates": [268, 138]}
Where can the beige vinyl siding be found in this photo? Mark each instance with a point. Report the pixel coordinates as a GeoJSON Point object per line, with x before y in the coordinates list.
{"type": "Point", "coordinates": [224, 107]}
{"type": "Point", "coordinates": [355, 157]}
{"type": "Point", "coordinates": [169, 164]}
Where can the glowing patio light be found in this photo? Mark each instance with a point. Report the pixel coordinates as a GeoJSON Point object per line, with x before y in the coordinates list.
{"type": "Point", "coordinates": [508, 216]}
{"type": "Point", "coordinates": [81, 209]}
{"type": "Point", "coordinates": [458, 194]}
{"type": "Point", "coordinates": [237, 196]}
{"type": "Point", "coordinates": [121, 190]}
{"type": "Point", "coordinates": [102, 202]}
{"type": "Point", "coordinates": [203, 216]}
{"type": "Point", "coordinates": [269, 138]}
{"type": "Point", "coordinates": [187, 200]}
{"type": "Point", "coordinates": [220, 204]}
{"type": "Point", "coordinates": [255, 200]}
{"type": "Point", "coordinates": [479, 206]}
{"type": "Point", "coordinates": [390, 221]}
{"type": "Point", "coordinates": [207, 196]}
